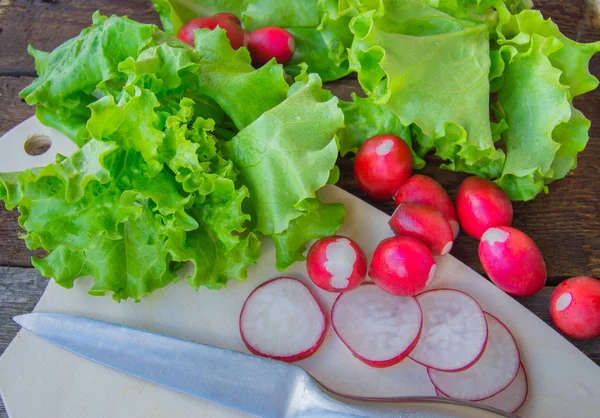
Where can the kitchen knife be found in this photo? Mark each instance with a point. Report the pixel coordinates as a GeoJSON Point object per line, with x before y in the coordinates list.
{"type": "Point", "coordinates": [256, 385]}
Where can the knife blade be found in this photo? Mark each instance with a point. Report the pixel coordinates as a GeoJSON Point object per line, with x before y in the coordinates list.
{"type": "Point", "coordinates": [252, 384]}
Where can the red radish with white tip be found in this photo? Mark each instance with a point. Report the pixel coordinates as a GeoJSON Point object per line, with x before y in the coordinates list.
{"type": "Point", "coordinates": [481, 204]}
{"type": "Point", "coordinates": [382, 164]}
{"type": "Point", "coordinates": [427, 191]}
{"type": "Point", "coordinates": [424, 223]}
{"type": "Point", "coordinates": [380, 329]}
{"type": "Point", "coordinates": [402, 266]}
{"type": "Point", "coordinates": [575, 307]}
{"type": "Point", "coordinates": [235, 34]}
{"type": "Point", "coordinates": [229, 16]}
{"type": "Point", "coordinates": [267, 43]}
{"type": "Point", "coordinates": [509, 399]}
{"type": "Point", "coordinates": [492, 373]}
{"type": "Point", "coordinates": [512, 261]}
{"type": "Point", "coordinates": [454, 330]}
{"type": "Point", "coordinates": [336, 264]}
{"type": "Point", "coordinates": [282, 320]}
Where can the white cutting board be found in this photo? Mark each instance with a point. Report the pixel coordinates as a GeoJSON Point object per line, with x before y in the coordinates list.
{"type": "Point", "coordinates": [38, 379]}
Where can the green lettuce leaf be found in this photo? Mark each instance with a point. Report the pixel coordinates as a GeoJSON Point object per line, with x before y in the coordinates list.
{"type": "Point", "coordinates": [280, 170]}
{"type": "Point", "coordinates": [431, 70]}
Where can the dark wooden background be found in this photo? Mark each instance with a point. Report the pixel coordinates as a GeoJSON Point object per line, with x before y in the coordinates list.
{"type": "Point", "coordinates": [565, 224]}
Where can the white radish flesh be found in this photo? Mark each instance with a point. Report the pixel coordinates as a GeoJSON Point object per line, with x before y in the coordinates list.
{"type": "Point", "coordinates": [508, 400]}
{"type": "Point", "coordinates": [492, 373]}
{"type": "Point", "coordinates": [282, 320]}
{"type": "Point", "coordinates": [380, 329]}
{"type": "Point", "coordinates": [454, 330]}
{"type": "Point", "coordinates": [424, 223]}
{"type": "Point", "coordinates": [336, 264]}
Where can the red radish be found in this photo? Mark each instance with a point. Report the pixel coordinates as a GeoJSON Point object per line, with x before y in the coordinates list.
{"type": "Point", "coordinates": [509, 399]}
{"type": "Point", "coordinates": [492, 373]}
{"type": "Point", "coordinates": [454, 330]}
{"type": "Point", "coordinates": [481, 205]}
{"type": "Point", "coordinates": [427, 191]}
{"type": "Point", "coordinates": [512, 261]}
{"type": "Point", "coordinates": [282, 320]}
{"type": "Point", "coordinates": [235, 34]}
{"type": "Point", "coordinates": [382, 164]}
{"type": "Point", "coordinates": [336, 264]}
{"type": "Point", "coordinates": [267, 43]}
{"type": "Point", "coordinates": [425, 224]}
{"type": "Point", "coordinates": [380, 329]}
{"type": "Point", "coordinates": [229, 16]}
{"type": "Point", "coordinates": [575, 307]}
{"type": "Point", "coordinates": [402, 266]}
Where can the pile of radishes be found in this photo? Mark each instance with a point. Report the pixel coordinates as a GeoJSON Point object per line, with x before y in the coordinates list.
{"type": "Point", "coordinates": [469, 354]}
{"type": "Point", "coordinates": [264, 44]}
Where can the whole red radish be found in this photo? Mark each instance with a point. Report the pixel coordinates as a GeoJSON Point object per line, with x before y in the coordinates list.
{"type": "Point", "coordinates": [336, 264]}
{"type": "Point", "coordinates": [282, 320]}
{"type": "Point", "coordinates": [575, 307]}
{"type": "Point", "coordinates": [267, 43]}
{"type": "Point", "coordinates": [402, 266]}
{"type": "Point", "coordinates": [481, 205]}
{"type": "Point", "coordinates": [235, 34]}
{"type": "Point", "coordinates": [512, 261]}
{"type": "Point", "coordinates": [424, 223]}
{"type": "Point", "coordinates": [425, 190]}
{"type": "Point", "coordinates": [382, 164]}
{"type": "Point", "coordinates": [229, 16]}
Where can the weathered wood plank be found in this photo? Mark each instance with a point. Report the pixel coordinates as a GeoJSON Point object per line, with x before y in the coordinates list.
{"type": "Point", "coordinates": [47, 24]}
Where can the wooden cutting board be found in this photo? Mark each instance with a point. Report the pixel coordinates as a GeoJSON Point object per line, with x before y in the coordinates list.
{"type": "Point", "coordinates": [39, 379]}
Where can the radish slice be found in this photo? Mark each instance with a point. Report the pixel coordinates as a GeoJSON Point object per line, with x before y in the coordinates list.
{"type": "Point", "coordinates": [380, 329]}
{"type": "Point", "coordinates": [282, 320]}
{"type": "Point", "coordinates": [493, 372]}
{"type": "Point", "coordinates": [454, 330]}
{"type": "Point", "coordinates": [510, 399]}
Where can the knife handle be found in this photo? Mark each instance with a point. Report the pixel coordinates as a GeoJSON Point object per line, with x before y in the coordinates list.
{"type": "Point", "coordinates": [312, 400]}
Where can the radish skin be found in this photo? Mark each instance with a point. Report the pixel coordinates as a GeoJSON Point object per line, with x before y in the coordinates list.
{"type": "Point", "coordinates": [480, 205]}
{"type": "Point", "coordinates": [424, 223]}
{"type": "Point", "coordinates": [378, 328]}
{"type": "Point", "coordinates": [282, 320]}
{"type": "Point", "coordinates": [229, 16]}
{"type": "Point", "coordinates": [512, 261]}
{"type": "Point", "coordinates": [402, 266]}
{"type": "Point", "coordinates": [492, 373]}
{"type": "Point", "coordinates": [425, 190]}
{"type": "Point", "coordinates": [272, 42]}
{"type": "Point", "coordinates": [454, 331]}
{"type": "Point", "coordinates": [575, 307]}
{"type": "Point", "coordinates": [235, 34]}
{"type": "Point", "coordinates": [382, 164]}
{"type": "Point", "coordinates": [336, 264]}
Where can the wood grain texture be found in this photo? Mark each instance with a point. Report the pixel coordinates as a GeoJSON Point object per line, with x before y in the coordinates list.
{"type": "Point", "coordinates": [46, 24]}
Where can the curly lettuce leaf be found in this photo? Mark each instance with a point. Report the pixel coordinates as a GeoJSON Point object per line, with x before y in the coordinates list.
{"type": "Point", "coordinates": [430, 70]}
{"type": "Point", "coordinates": [280, 170]}
{"type": "Point", "coordinates": [363, 118]}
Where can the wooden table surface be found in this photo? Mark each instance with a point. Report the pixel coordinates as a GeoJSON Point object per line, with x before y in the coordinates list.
{"type": "Point", "coordinates": [565, 223]}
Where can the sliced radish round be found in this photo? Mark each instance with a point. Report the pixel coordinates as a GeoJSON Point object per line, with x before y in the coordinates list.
{"type": "Point", "coordinates": [513, 397]}
{"type": "Point", "coordinates": [510, 399]}
{"type": "Point", "coordinates": [454, 330]}
{"type": "Point", "coordinates": [380, 329]}
{"type": "Point", "coordinates": [282, 320]}
{"type": "Point", "coordinates": [492, 373]}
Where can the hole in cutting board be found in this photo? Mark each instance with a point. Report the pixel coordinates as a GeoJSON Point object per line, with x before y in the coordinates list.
{"type": "Point", "coordinates": [37, 144]}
